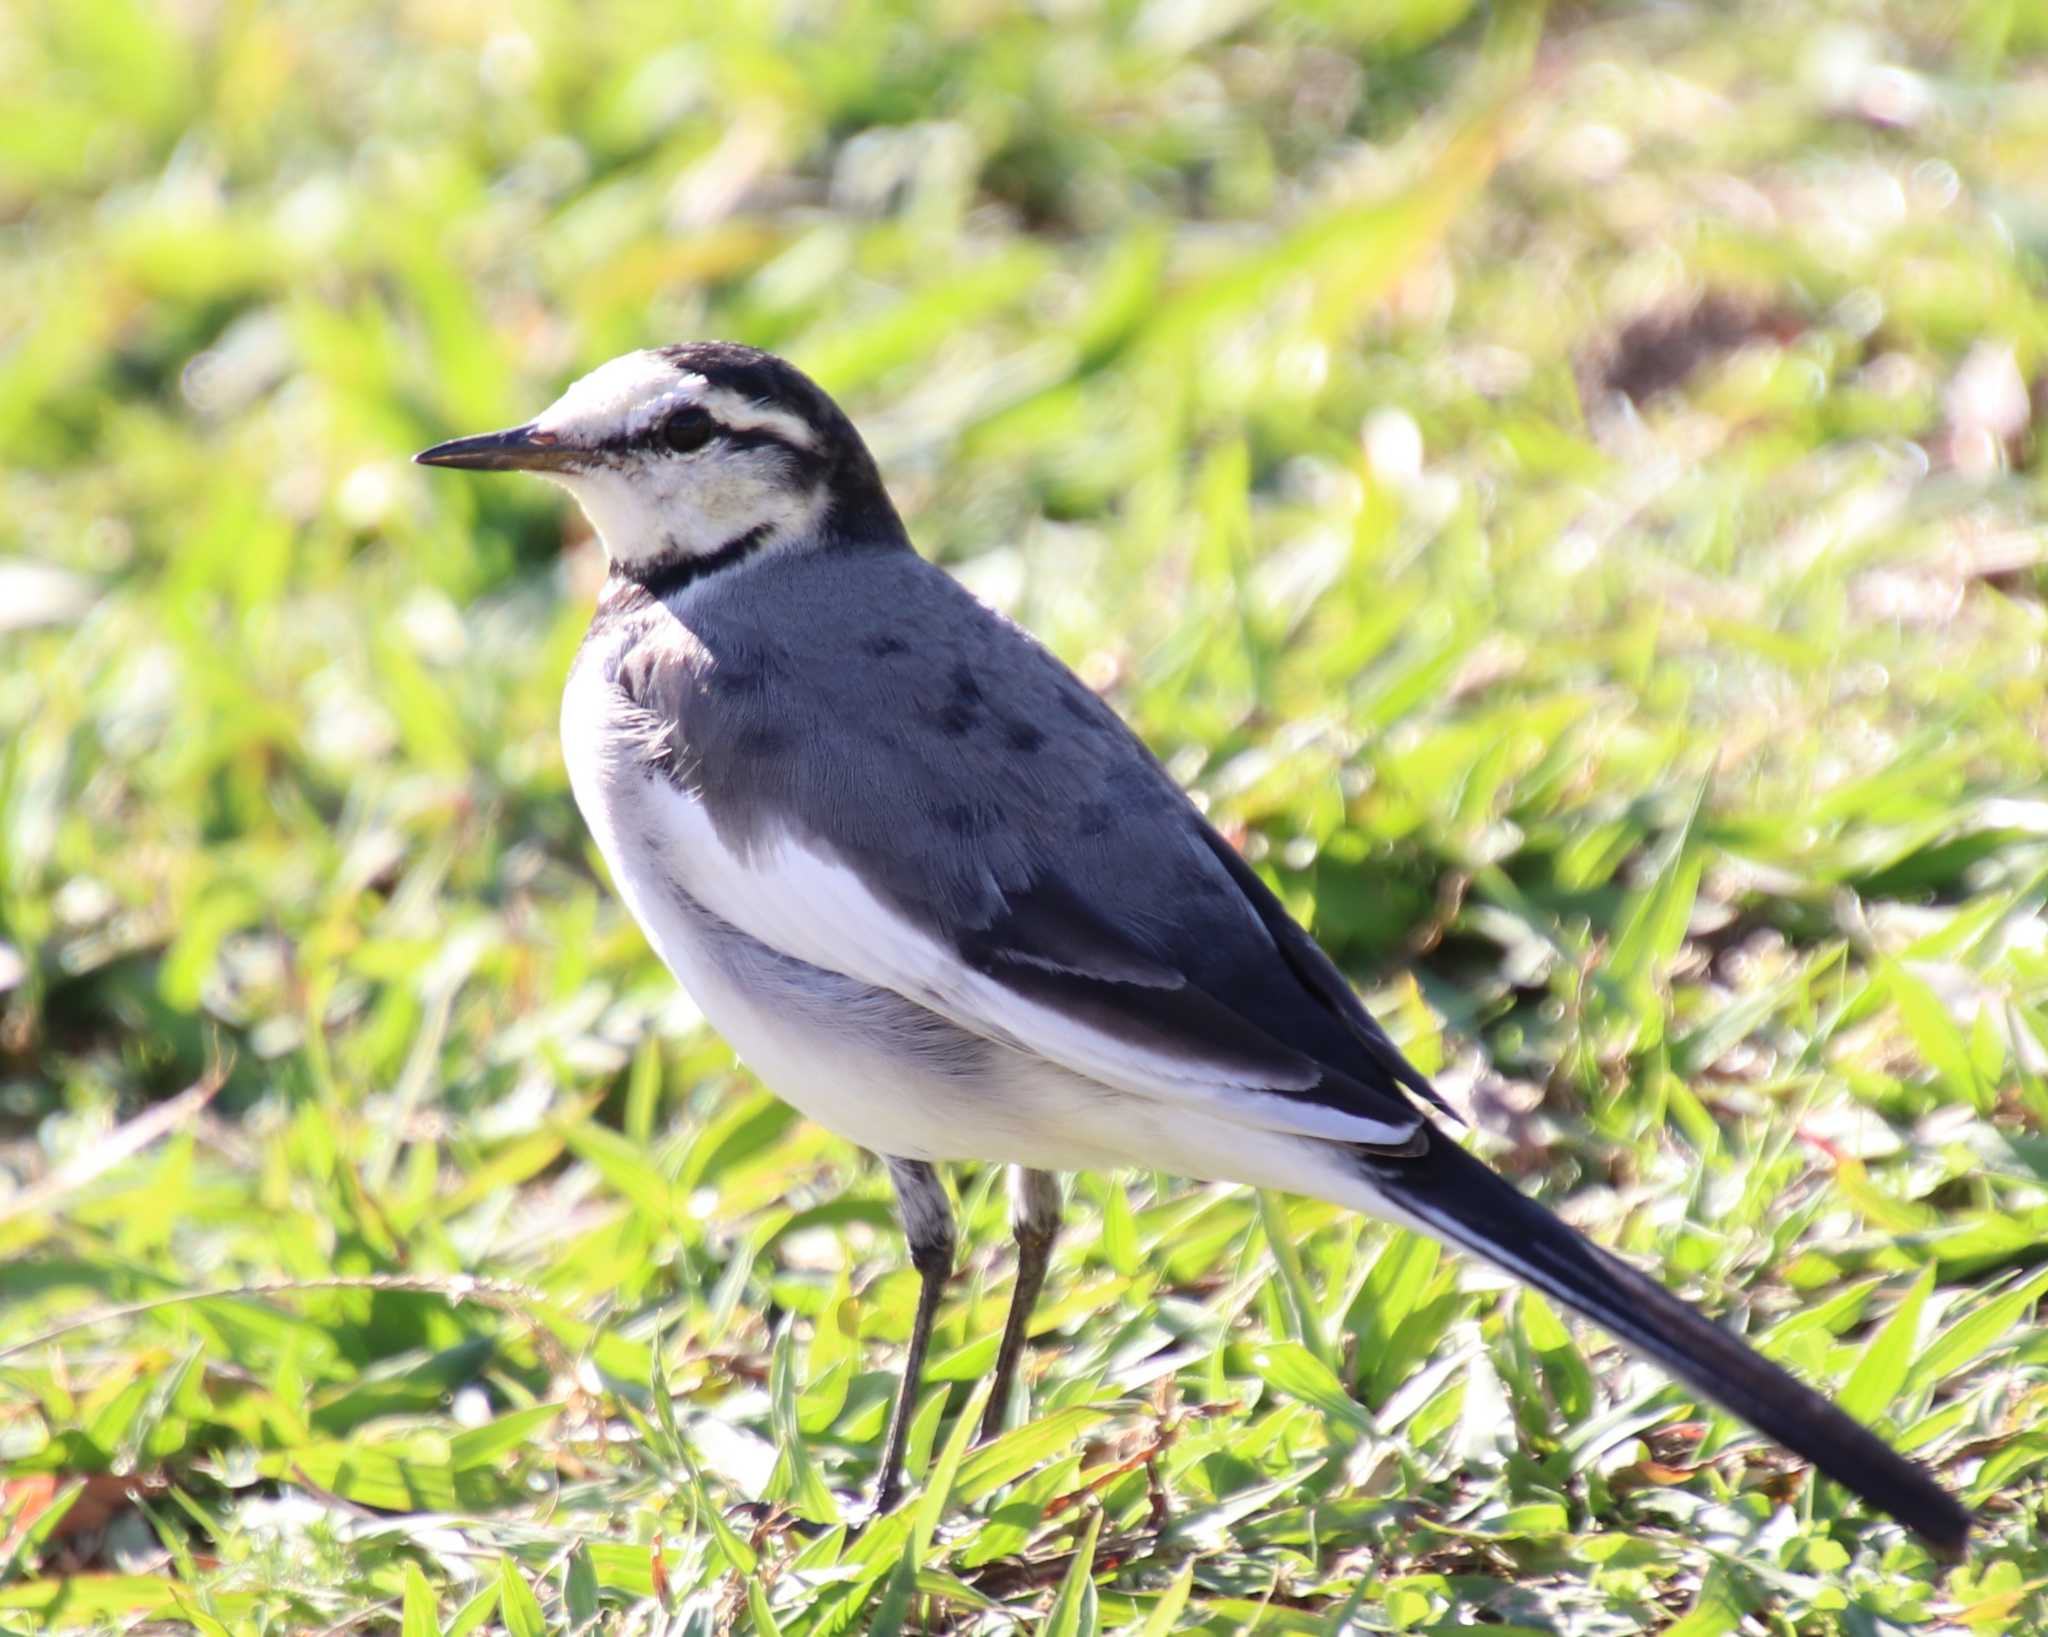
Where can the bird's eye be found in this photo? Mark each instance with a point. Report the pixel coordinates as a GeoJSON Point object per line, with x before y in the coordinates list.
{"type": "Point", "coordinates": [688, 429]}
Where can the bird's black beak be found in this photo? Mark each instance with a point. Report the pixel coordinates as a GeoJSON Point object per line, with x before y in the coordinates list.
{"type": "Point", "coordinates": [522, 449]}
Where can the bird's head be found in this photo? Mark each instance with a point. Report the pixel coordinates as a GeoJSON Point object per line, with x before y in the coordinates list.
{"type": "Point", "coordinates": [684, 452]}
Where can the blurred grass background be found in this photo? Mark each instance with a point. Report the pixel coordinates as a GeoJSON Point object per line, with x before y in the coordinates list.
{"type": "Point", "coordinates": [1565, 489]}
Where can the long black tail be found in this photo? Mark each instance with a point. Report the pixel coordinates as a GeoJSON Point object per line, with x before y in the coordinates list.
{"type": "Point", "coordinates": [1460, 1200]}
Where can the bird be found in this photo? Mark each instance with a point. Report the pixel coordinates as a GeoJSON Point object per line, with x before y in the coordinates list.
{"type": "Point", "coordinates": [941, 899]}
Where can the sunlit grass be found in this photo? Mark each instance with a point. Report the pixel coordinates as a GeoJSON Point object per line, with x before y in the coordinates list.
{"type": "Point", "coordinates": [1565, 493]}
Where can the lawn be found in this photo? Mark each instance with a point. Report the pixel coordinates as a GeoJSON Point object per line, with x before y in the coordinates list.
{"type": "Point", "coordinates": [1561, 486]}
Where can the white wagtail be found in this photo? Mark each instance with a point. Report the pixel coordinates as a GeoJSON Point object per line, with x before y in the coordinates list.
{"type": "Point", "coordinates": [939, 896]}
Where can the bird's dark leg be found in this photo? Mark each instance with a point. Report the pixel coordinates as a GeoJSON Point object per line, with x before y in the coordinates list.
{"type": "Point", "coordinates": [928, 1225]}
{"type": "Point", "coordinates": [1035, 1219]}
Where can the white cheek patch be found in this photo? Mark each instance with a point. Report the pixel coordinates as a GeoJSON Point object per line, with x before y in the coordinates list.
{"type": "Point", "coordinates": [655, 506]}
{"type": "Point", "coordinates": [734, 488]}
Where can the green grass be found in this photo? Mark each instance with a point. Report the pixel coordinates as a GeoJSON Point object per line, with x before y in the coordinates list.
{"type": "Point", "coordinates": [1670, 774]}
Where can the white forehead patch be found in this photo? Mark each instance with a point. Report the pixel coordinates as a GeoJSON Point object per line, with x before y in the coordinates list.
{"type": "Point", "coordinates": [623, 398]}
{"type": "Point", "coordinates": [620, 398]}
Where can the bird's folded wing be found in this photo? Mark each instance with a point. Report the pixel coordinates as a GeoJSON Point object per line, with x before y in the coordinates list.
{"type": "Point", "coordinates": [1214, 997]}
